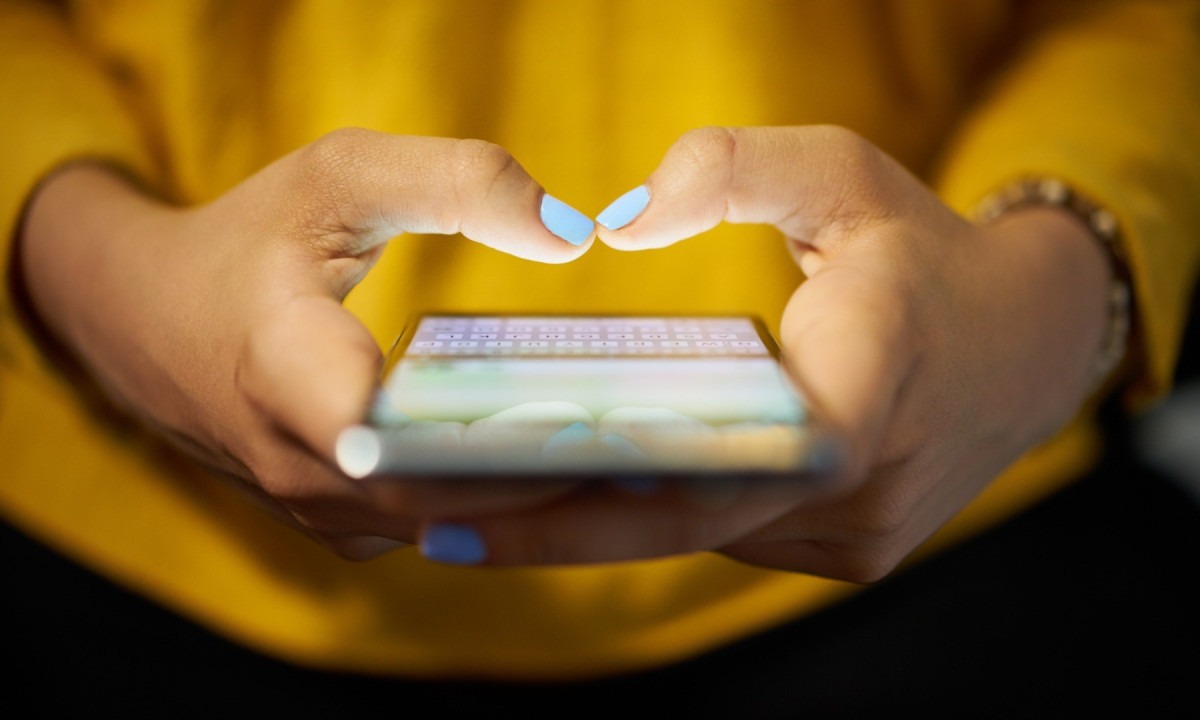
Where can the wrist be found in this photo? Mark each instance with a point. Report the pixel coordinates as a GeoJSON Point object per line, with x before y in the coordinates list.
{"type": "Point", "coordinates": [1052, 279]}
{"type": "Point", "coordinates": [1103, 235]}
{"type": "Point", "coordinates": [72, 239]}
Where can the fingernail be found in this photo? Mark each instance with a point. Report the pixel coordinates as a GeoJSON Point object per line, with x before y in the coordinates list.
{"type": "Point", "coordinates": [565, 221]}
{"type": "Point", "coordinates": [358, 451]}
{"type": "Point", "coordinates": [826, 458]}
{"type": "Point", "coordinates": [453, 544]}
{"type": "Point", "coordinates": [625, 209]}
{"type": "Point", "coordinates": [623, 446]}
{"type": "Point", "coordinates": [628, 449]}
{"type": "Point", "coordinates": [572, 436]}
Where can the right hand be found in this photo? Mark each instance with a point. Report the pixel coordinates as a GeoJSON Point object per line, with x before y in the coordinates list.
{"type": "Point", "coordinates": [907, 334]}
{"type": "Point", "coordinates": [222, 325]}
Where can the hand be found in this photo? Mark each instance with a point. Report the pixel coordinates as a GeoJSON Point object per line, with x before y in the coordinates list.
{"type": "Point", "coordinates": [941, 351]}
{"type": "Point", "coordinates": [221, 325]}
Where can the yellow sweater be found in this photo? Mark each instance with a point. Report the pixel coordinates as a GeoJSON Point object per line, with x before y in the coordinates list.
{"type": "Point", "coordinates": [194, 96]}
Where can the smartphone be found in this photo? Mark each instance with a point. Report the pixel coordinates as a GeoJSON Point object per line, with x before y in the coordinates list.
{"type": "Point", "coordinates": [599, 395]}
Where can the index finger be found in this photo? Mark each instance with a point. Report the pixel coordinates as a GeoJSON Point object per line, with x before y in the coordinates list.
{"type": "Point", "coordinates": [803, 180]}
{"type": "Point", "coordinates": [361, 188]}
{"type": "Point", "coordinates": [848, 338]}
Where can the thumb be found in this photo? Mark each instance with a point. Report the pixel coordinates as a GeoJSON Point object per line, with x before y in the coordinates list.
{"type": "Point", "coordinates": [312, 366]}
{"type": "Point", "coordinates": [850, 342]}
{"type": "Point", "coordinates": [803, 180]}
{"type": "Point", "coordinates": [848, 331]}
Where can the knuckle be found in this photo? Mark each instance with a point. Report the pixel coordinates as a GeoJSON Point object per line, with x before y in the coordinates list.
{"type": "Point", "coordinates": [844, 144]}
{"type": "Point", "coordinates": [252, 371]}
{"type": "Point", "coordinates": [326, 169]}
{"type": "Point", "coordinates": [879, 523]}
{"type": "Point", "coordinates": [875, 542]}
{"type": "Point", "coordinates": [278, 481]}
{"type": "Point", "coordinates": [483, 165]}
{"type": "Point", "coordinates": [708, 148]}
{"type": "Point", "coordinates": [482, 170]}
{"type": "Point", "coordinates": [334, 153]}
{"type": "Point", "coordinates": [867, 565]}
{"type": "Point", "coordinates": [858, 172]}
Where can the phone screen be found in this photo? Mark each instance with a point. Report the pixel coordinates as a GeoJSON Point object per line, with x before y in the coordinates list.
{"type": "Point", "coordinates": [533, 394]}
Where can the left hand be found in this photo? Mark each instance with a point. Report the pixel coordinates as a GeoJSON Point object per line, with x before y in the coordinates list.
{"type": "Point", "coordinates": [939, 349]}
{"type": "Point", "coordinates": [220, 326]}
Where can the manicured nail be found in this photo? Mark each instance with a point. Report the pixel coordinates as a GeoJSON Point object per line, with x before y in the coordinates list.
{"type": "Point", "coordinates": [826, 459]}
{"type": "Point", "coordinates": [358, 451]}
{"type": "Point", "coordinates": [565, 221]}
{"type": "Point", "coordinates": [628, 449]}
{"type": "Point", "coordinates": [625, 209]}
{"type": "Point", "coordinates": [623, 446]}
{"type": "Point", "coordinates": [572, 436]}
{"type": "Point", "coordinates": [453, 544]}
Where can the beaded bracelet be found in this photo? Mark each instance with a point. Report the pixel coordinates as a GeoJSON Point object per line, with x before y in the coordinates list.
{"type": "Point", "coordinates": [1103, 226]}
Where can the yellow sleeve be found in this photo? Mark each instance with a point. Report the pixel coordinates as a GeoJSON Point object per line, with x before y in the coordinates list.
{"type": "Point", "coordinates": [59, 107]}
{"type": "Point", "coordinates": [1106, 96]}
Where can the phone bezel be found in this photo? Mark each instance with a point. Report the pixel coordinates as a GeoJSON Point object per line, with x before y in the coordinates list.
{"type": "Point", "coordinates": [826, 449]}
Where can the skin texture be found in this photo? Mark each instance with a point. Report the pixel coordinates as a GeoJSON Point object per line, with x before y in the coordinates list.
{"type": "Point", "coordinates": [221, 325]}
{"type": "Point", "coordinates": [941, 350]}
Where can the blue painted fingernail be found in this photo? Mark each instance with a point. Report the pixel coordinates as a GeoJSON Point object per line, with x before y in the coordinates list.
{"type": "Point", "coordinates": [826, 458]}
{"type": "Point", "coordinates": [625, 209]}
{"type": "Point", "coordinates": [453, 544]}
{"type": "Point", "coordinates": [623, 446]}
{"type": "Point", "coordinates": [565, 221]}
{"type": "Point", "coordinates": [572, 436]}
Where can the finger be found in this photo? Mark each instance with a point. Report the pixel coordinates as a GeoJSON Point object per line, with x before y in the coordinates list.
{"type": "Point", "coordinates": [311, 370]}
{"type": "Point", "coordinates": [850, 341]}
{"type": "Point", "coordinates": [803, 180]}
{"type": "Point", "coordinates": [859, 536]}
{"type": "Point", "coordinates": [298, 489]}
{"type": "Point", "coordinates": [311, 366]}
{"type": "Point", "coordinates": [308, 370]}
{"type": "Point", "coordinates": [366, 187]}
{"type": "Point", "coordinates": [361, 519]}
{"type": "Point", "coordinates": [847, 332]}
{"type": "Point", "coordinates": [607, 525]}
{"type": "Point", "coordinates": [365, 547]}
